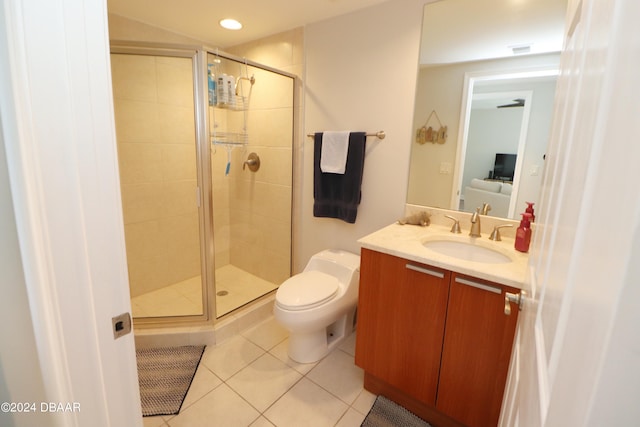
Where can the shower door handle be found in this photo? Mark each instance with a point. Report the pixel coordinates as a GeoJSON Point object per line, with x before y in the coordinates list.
{"type": "Point", "coordinates": [253, 161]}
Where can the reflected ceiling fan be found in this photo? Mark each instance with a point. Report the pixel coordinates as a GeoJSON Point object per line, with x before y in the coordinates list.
{"type": "Point", "coordinates": [518, 102]}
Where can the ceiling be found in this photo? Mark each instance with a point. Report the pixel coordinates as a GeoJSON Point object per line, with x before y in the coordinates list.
{"type": "Point", "coordinates": [454, 30]}
{"type": "Point", "coordinates": [472, 30]}
{"type": "Point", "coordinates": [199, 19]}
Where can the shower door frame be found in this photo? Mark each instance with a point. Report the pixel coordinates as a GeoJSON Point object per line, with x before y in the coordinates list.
{"type": "Point", "coordinates": [198, 54]}
{"type": "Point", "coordinates": [204, 51]}
{"type": "Point", "coordinates": [203, 171]}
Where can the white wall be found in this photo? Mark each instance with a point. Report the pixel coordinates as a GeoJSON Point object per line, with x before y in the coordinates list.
{"type": "Point", "coordinates": [361, 72]}
{"type": "Point", "coordinates": [491, 131]}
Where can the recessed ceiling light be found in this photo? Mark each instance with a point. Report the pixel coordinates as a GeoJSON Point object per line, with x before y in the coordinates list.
{"type": "Point", "coordinates": [230, 24]}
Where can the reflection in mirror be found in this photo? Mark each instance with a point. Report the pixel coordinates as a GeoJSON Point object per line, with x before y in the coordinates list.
{"type": "Point", "coordinates": [495, 138]}
{"type": "Point", "coordinates": [449, 81]}
{"type": "Point", "coordinates": [503, 140]}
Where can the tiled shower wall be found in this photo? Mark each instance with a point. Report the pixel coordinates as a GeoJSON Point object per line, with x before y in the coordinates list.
{"type": "Point", "coordinates": [153, 99]}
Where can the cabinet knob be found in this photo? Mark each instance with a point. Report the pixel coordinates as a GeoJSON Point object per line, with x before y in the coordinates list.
{"type": "Point", "coordinates": [509, 298]}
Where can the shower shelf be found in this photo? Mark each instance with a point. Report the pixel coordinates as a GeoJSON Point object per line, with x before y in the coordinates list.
{"type": "Point", "coordinates": [241, 104]}
{"type": "Point", "coordinates": [230, 138]}
{"type": "Point", "coordinates": [229, 108]}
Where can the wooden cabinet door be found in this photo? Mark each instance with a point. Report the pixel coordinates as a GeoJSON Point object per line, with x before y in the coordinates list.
{"type": "Point", "coordinates": [476, 352]}
{"type": "Point", "coordinates": [401, 314]}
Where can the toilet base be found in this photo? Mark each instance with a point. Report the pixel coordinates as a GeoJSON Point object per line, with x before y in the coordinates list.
{"type": "Point", "coordinates": [309, 347]}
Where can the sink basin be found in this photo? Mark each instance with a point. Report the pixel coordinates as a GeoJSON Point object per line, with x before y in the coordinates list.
{"type": "Point", "coordinates": [467, 251]}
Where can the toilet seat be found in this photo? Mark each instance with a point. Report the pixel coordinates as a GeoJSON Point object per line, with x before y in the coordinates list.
{"type": "Point", "coordinates": [306, 290]}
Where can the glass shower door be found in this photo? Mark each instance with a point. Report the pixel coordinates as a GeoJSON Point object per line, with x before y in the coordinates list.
{"type": "Point", "coordinates": [157, 152]}
{"type": "Point", "coordinates": [251, 208]}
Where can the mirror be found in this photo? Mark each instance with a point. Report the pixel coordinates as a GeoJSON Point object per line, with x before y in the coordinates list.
{"type": "Point", "coordinates": [469, 68]}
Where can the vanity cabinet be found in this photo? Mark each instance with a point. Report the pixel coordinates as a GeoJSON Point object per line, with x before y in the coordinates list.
{"type": "Point", "coordinates": [435, 341]}
{"type": "Point", "coordinates": [401, 316]}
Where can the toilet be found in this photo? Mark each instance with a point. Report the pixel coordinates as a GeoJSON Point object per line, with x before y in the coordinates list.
{"type": "Point", "coordinates": [318, 306]}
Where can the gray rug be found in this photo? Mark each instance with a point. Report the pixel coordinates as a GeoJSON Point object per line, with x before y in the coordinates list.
{"type": "Point", "coordinates": [165, 375]}
{"type": "Point", "coordinates": [386, 413]}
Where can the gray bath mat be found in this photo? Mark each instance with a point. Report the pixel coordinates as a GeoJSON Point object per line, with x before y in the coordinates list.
{"type": "Point", "coordinates": [386, 413]}
{"type": "Point", "coordinates": [165, 375]}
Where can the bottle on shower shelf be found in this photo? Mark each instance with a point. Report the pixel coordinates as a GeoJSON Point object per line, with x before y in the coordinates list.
{"type": "Point", "coordinates": [223, 93]}
{"type": "Point", "coordinates": [231, 89]}
{"type": "Point", "coordinates": [211, 80]}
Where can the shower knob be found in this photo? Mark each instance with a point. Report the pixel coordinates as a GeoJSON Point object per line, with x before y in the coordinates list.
{"type": "Point", "coordinates": [253, 161]}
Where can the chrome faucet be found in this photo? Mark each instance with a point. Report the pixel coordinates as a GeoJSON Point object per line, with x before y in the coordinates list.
{"type": "Point", "coordinates": [475, 224]}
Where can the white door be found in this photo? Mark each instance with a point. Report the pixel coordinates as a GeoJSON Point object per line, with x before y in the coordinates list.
{"type": "Point", "coordinates": [59, 136]}
{"type": "Point", "coordinates": [572, 358]}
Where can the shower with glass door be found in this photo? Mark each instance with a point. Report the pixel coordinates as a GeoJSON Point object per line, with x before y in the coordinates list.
{"type": "Point", "coordinates": [206, 179]}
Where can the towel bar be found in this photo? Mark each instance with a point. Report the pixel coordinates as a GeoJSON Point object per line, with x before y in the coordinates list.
{"type": "Point", "coordinates": [379, 134]}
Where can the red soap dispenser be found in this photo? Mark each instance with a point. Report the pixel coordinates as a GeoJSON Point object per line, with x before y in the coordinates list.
{"type": "Point", "coordinates": [523, 233]}
{"type": "Point", "coordinates": [529, 210]}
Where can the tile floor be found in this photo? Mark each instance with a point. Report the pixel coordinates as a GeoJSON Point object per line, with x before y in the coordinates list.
{"type": "Point", "coordinates": [248, 380]}
{"type": "Point", "coordinates": [242, 287]}
{"type": "Point", "coordinates": [180, 299]}
{"type": "Point", "coordinates": [185, 298]}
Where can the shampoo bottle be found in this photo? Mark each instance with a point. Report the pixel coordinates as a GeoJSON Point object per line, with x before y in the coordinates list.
{"type": "Point", "coordinates": [212, 85]}
{"type": "Point", "coordinates": [223, 93]}
{"type": "Point", "coordinates": [523, 233]}
{"type": "Point", "coordinates": [231, 90]}
{"type": "Point", "coordinates": [529, 210]}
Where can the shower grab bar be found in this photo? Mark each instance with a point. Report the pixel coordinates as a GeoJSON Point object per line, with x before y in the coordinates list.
{"type": "Point", "coordinates": [379, 134]}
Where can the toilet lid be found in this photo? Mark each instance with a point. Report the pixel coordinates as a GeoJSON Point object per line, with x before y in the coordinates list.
{"type": "Point", "coordinates": [306, 290]}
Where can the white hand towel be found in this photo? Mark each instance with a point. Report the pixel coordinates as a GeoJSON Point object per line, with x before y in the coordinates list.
{"type": "Point", "coordinates": [335, 146]}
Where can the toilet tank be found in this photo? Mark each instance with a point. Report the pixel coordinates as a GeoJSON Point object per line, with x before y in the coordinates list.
{"type": "Point", "coordinates": [341, 264]}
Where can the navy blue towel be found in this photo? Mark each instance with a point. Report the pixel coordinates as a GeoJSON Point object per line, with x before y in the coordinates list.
{"type": "Point", "coordinates": [335, 195]}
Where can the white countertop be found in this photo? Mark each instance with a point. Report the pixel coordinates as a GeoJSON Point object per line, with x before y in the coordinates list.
{"type": "Point", "coordinates": [405, 241]}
